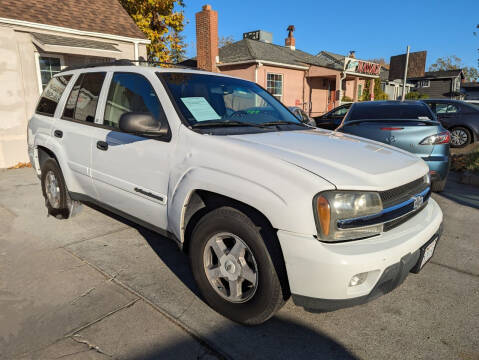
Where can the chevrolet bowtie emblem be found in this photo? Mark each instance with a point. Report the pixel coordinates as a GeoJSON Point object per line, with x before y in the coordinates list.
{"type": "Point", "coordinates": [418, 201]}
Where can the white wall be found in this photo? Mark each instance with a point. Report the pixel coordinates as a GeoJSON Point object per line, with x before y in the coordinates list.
{"type": "Point", "coordinates": [13, 107]}
{"type": "Point", "coordinates": [19, 86]}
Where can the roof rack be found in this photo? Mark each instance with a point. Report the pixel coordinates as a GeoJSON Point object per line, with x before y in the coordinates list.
{"type": "Point", "coordinates": [126, 62]}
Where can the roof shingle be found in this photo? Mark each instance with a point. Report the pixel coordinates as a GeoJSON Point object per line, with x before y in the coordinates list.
{"type": "Point", "coordinates": [102, 16]}
{"type": "Point", "coordinates": [248, 49]}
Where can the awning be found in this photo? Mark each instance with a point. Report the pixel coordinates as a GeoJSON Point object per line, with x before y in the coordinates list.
{"type": "Point", "coordinates": [77, 46]}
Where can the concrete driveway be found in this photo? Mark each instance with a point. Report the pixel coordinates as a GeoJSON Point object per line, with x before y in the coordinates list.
{"type": "Point", "coordinates": [97, 286]}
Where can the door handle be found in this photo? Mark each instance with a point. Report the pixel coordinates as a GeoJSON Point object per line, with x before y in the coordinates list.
{"type": "Point", "coordinates": [58, 133]}
{"type": "Point", "coordinates": [102, 145]}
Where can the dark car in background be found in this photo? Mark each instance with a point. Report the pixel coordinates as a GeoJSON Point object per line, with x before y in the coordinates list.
{"type": "Point", "coordinates": [409, 125]}
{"type": "Point", "coordinates": [332, 119]}
{"type": "Point", "coordinates": [459, 117]}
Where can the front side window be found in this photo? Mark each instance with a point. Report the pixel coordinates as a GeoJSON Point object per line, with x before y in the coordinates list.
{"type": "Point", "coordinates": [130, 92]}
{"type": "Point", "coordinates": [83, 100]}
{"type": "Point", "coordinates": [219, 101]}
{"type": "Point", "coordinates": [274, 84]}
{"type": "Point", "coordinates": [341, 111]}
{"type": "Point", "coordinates": [49, 66]}
{"type": "Point", "coordinates": [52, 94]}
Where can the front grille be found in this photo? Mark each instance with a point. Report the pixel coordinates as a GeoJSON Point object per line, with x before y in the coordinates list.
{"type": "Point", "coordinates": [396, 222]}
{"type": "Point", "coordinates": [402, 193]}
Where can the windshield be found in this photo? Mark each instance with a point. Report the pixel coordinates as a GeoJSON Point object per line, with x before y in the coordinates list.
{"type": "Point", "coordinates": [390, 111]}
{"type": "Point", "coordinates": [209, 100]}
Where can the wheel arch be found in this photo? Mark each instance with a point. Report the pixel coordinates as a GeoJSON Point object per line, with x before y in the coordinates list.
{"type": "Point", "coordinates": [201, 202]}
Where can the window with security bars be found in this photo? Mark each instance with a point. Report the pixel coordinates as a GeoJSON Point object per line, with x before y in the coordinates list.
{"type": "Point", "coordinates": [274, 85]}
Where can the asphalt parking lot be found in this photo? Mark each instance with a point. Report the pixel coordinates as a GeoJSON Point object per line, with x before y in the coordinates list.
{"type": "Point", "coordinates": [97, 286]}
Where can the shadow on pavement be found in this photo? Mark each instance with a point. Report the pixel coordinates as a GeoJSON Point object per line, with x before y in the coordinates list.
{"type": "Point", "coordinates": [278, 338]}
{"type": "Point", "coordinates": [463, 194]}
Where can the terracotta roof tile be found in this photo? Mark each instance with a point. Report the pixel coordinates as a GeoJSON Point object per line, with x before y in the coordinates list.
{"type": "Point", "coordinates": [102, 16]}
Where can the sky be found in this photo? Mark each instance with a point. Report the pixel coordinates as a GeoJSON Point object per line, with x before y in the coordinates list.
{"type": "Point", "coordinates": [374, 29]}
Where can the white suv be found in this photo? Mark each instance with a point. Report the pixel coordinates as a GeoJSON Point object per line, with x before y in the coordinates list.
{"type": "Point", "coordinates": [265, 206]}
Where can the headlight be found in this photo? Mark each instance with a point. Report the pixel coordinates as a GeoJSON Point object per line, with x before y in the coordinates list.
{"type": "Point", "coordinates": [331, 206]}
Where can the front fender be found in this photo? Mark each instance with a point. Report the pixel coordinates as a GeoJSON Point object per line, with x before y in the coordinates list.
{"type": "Point", "coordinates": [279, 210]}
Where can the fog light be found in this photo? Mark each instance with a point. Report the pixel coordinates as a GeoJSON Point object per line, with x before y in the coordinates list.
{"type": "Point", "coordinates": [358, 279]}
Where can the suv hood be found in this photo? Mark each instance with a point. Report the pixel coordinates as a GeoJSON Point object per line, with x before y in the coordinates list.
{"type": "Point", "coordinates": [346, 161]}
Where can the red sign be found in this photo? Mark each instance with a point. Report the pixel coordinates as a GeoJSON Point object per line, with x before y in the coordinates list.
{"type": "Point", "coordinates": [368, 68]}
{"type": "Point", "coordinates": [352, 65]}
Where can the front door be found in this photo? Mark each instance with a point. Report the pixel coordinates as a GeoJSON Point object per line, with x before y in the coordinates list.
{"type": "Point", "coordinates": [130, 173]}
{"type": "Point", "coordinates": [331, 94]}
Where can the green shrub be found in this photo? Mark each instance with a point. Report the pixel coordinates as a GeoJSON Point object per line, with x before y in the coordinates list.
{"type": "Point", "coordinates": [414, 95]}
{"type": "Point", "coordinates": [347, 99]}
{"type": "Point", "coordinates": [466, 162]}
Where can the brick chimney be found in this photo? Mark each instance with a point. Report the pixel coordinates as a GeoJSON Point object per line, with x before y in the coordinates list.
{"type": "Point", "coordinates": [207, 38]}
{"type": "Point", "coordinates": [290, 41]}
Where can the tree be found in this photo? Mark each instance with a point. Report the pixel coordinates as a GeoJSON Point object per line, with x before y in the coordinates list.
{"type": "Point", "coordinates": [452, 63]}
{"type": "Point", "coordinates": [380, 61]}
{"type": "Point", "coordinates": [161, 22]}
{"type": "Point", "coordinates": [225, 40]}
{"type": "Point", "coordinates": [178, 48]}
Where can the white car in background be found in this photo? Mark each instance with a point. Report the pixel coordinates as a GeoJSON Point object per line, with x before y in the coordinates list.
{"type": "Point", "coordinates": [265, 206]}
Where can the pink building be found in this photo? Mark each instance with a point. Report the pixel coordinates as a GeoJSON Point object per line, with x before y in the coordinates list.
{"type": "Point", "coordinates": [316, 83]}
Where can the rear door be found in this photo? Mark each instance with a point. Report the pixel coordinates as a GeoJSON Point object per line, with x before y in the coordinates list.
{"type": "Point", "coordinates": [131, 173]}
{"type": "Point", "coordinates": [448, 114]}
{"type": "Point", "coordinates": [73, 129]}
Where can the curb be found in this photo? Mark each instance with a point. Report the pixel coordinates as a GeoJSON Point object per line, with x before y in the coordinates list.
{"type": "Point", "coordinates": [470, 179]}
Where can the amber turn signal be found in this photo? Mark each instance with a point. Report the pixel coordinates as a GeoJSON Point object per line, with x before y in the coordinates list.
{"type": "Point", "coordinates": [324, 214]}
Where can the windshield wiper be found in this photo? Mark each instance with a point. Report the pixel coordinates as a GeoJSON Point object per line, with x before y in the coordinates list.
{"type": "Point", "coordinates": [226, 124]}
{"type": "Point", "coordinates": [270, 123]}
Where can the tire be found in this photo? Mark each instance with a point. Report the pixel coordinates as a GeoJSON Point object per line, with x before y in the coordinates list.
{"type": "Point", "coordinates": [57, 203]}
{"type": "Point", "coordinates": [261, 297]}
{"type": "Point", "coordinates": [460, 137]}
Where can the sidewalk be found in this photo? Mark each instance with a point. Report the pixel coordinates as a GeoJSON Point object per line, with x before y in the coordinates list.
{"type": "Point", "coordinates": [55, 305]}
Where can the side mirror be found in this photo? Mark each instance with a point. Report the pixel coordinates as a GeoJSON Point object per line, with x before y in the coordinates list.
{"type": "Point", "coordinates": [142, 124]}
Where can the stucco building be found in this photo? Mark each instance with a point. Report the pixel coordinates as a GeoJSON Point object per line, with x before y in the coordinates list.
{"type": "Point", "coordinates": [38, 38]}
{"type": "Point", "coordinates": [316, 83]}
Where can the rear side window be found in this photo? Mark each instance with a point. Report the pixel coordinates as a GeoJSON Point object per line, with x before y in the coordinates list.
{"type": "Point", "coordinates": [130, 92]}
{"type": "Point", "coordinates": [442, 108]}
{"type": "Point", "coordinates": [52, 94]}
{"type": "Point", "coordinates": [388, 111]}
{"type": "Point", "coordinates": [83, 100]}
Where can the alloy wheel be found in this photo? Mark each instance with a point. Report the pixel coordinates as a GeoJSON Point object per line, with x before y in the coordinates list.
{"type": "Point", "coordinates": [52, 189]}
{"type": "Point", "coordinates": [458, 137]}
{"type": "Point", "coordinates": [230, 267]}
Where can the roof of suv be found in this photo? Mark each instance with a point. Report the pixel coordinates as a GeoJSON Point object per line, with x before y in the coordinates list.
{"type": "Point", "coordinates": [137, 69]}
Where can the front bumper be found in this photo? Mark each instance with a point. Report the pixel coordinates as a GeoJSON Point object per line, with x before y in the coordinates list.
{"type": "Point", "coordinates": [319, 273]}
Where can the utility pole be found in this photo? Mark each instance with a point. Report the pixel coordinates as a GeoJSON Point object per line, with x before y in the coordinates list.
{"type": "Point", "coordinates": [403, 96]}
